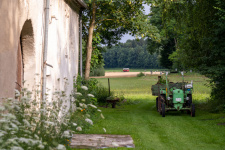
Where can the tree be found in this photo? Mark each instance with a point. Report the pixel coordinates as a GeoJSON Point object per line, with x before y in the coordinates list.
{"type": "Point", "coordinates": [168, 36]}
{"type": "Point", "coordinates": [110, 20]}
{"type": "Point", "coordinates": [201, 45]}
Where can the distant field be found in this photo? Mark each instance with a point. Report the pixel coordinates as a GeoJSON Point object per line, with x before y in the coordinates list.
{"type": "Point", "coordinates": [132, 70]}
{"type": "Point", "coordinates": [139, 86]}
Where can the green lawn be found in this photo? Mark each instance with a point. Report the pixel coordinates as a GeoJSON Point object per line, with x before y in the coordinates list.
{"type": "Point", "coordinates": [139, 86]}
{"type": "Point", "coordinates": [149, 130]}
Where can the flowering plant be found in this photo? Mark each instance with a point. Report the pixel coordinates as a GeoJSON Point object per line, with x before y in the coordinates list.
{"type": "Point", "coordinates": [27, 122]}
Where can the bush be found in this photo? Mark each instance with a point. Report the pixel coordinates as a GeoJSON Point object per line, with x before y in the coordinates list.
{"type": "Point", "coordinates": [100, 92]}
{"type": "Point", "coordinates": [98, 72]}
{"type": "Point", "coordinates": [141, 74]}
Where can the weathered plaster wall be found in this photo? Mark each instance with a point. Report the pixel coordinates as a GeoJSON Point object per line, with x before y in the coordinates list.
{"type": "Point", "coordinates": [62, 45]}
{"type": "Point", "coordinates": [13, 14]}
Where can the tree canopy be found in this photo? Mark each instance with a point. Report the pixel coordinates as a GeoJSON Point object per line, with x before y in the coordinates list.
{"type": "Point", "coordinates": [108, 20]}
{"type": "Point", "coordinates": [200, 29]}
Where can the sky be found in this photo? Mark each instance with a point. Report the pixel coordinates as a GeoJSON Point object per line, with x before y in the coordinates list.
{"type": "Point", "coordinates": [129, 37]}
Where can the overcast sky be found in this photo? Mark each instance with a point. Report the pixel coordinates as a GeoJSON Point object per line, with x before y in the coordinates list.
{"type": "Point", "coordinates": [127, 36]}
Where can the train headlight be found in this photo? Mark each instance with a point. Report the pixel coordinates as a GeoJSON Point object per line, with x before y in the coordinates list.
{"type": "Point", "coordinates": [187, 98]}
{"type": "Point", "coordinates": [168, 98]}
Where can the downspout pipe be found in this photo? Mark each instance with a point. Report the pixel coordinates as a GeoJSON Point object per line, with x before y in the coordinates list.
{"type": "Point", "coordinates": [81, 61]}
{"type": "Point", "coordinates": [45, 51]}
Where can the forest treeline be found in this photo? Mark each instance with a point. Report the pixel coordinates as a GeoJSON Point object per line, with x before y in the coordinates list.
{"type": "Point", "coordinates": [132, 54]}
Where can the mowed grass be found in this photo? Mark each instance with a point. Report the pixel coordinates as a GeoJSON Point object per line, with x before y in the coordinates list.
{"type": "Point", "coordinates": [177, 131]}
{"type": "Point", "coordinates": [139, 86]}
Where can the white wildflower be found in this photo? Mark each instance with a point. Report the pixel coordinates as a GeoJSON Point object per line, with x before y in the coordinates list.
{"type": "Point", "coordinates": [13, 132]}
{"type": "Point", "coordinates": [78, 94]}
{"type": "Point", "coordinates": [33, 142]}
{"type": "Point", "coordinates": [2, 108]}
{"type": "Point", "coordinates": [17, 107]}
{"type": "Point", "coordinates": [23, 140]}
{"type": "Point", "coordinates": [27, 131]}
{"type": "Point", "coordinates": [79, 129]}
{"type": "Point", "coordinates": [1, 134]}
{"type": "Point", "coordinates": [83, 105]}
{"type": "Point", "coordinates": [36, 118]}
{"type": "Point", "coordinates": [90, 95]}
{"type": "Point", "coordinates": [115, 144]}
{"type": "Point", "coordinates": [4, 121]}
{"type": "Point", "coordinates": [88, 116]}
{"type": "Point", "coordinates": [73, 99]}
{"type": "Point", "coordinates": [89, 121]}
{"type": "Point", "coordinates": [16, 122]}
{"type": "Point", "coordinates": [9, 99]}
{"type": "Point", "coordinates": [93, 106]}
{"type": "Point", "coordinates": [14, 126]}
{"type": "Point", "coordinates": [61, 147]}
{"type": "Point", "coordinates": [50, 123]}
{"type": "Point", "coordinates": [99, 110]}
{"type": "Point", "coordinates": [9, 116]}
{"type": "Point", "coordinates": [84, 88]}
{"type": "Point", "coordinates": [42, 110]}
{"type": "Point", "coordinates": [83, 100]}
{"type": "Point", "coordinates": [25, 99]}
{"type": "Point", "coordinates": [66, 134]}
{"type": "Point", "coordinates": [74, 124]}
{"type": "Point", "coordinates": [102, 116]}
{"type": "Point", "coordinates": [36, 136]}
{"type": "Point", "coordinates": [12, 141]}
{"type": "Point", "coordinates": [104, 129]}
{"type": "Point", "coordinates": [41, 146]}
{"type": "Point", "coordinates": [17, 93]}
{"type": "Point", "coordinates": [26, 122]}
{"type": "Point", "coordinates": [6, 128]}
{"type": "Point", "coordinates": [16, 148]}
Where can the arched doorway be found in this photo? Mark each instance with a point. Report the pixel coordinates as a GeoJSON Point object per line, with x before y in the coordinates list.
{"type": "Point", "coordinates": [26, 62]}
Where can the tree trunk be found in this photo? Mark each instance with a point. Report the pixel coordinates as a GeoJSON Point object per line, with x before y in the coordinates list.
{"type": "Point", "coordinates": [89, 42]}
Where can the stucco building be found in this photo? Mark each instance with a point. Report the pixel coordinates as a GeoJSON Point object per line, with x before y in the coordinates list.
{"type": "Point", "coordinates": [22, 32]}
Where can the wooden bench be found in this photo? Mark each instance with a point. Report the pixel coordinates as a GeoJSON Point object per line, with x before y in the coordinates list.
{"type": "Point", "coordinates": [113, 102]}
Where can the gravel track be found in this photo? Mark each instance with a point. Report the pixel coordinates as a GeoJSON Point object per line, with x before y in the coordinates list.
{"type": "Point", "coordinates": [124, 74]}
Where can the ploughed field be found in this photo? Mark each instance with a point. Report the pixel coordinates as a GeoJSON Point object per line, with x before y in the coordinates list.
{"type": "Point", "coordinates": [138, 117]}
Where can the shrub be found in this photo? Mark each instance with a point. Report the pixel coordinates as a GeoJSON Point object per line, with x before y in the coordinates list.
{"type": "Point", "coordinates": [101, 94]}
{"type": "Point", "coordinates": [98, 72]}
{"type": "Point", "coordinates": [141, 74]}
{"type": "Point", "coordinates": [95, 88]}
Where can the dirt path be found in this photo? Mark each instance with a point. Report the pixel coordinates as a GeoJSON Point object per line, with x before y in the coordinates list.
{"type": "Point", "coordinates": [124, 74]}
